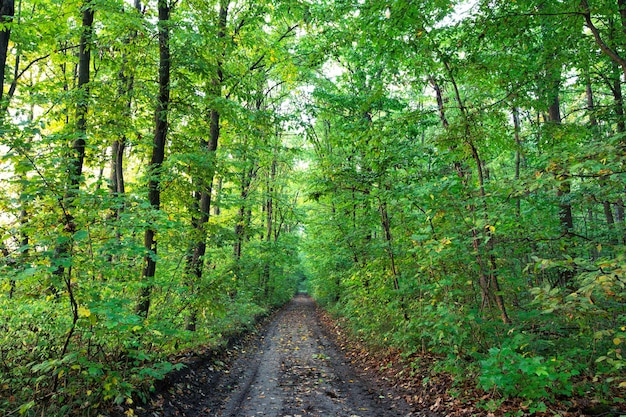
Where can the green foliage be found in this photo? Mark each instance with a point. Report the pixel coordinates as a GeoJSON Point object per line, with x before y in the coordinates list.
{"type": "Point", "coordinates": [515, 374]}
{"type": "Point", "coordinates": [71, 340]}
{"type": "Point", "coordinates": [416, 179]}
{"type": "Point", "coordinates": [443, 183]}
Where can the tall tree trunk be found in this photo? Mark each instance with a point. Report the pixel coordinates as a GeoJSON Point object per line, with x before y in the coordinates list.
{"type": "Point", "coordinates": [127, 84]}
{"type": "Point", "coordinates": [75, 172]}
{"type": "Point", "coordinates": [195, 263]}
{"type": "Point", "coordinates": [488, 281]}
{"type": "Point", "coordinates": [77, 150]}
{"type": "Point", "coordinates": [618, 102]}
{"type": "Point", "coordinates": [566, 218]}
{"type": "Point", "coordinates": [440, 103]}
{"type": "Point", "coordinates": [593, 123]}
{"type": "Point", "coordinates": [386, 224]}
{"type": "Point", "coordinates": [491, 282]}
{"type": "Point", "coordinates": [218, 192]}
{"type": "Point", "coordinates": [7, 11]}
{"type": "Point", "coordinates": [116, 180]}
{"type": "Point", "coordinates": [241, 224]}
{"type": "Point", "coordinates": [269, 219]}
{"type": "Point", "coordinates": [76, 162]}
{"type": "Point", "coordinates": [158, 156]}
{"type": "Point", "coordinates": [518, 157]}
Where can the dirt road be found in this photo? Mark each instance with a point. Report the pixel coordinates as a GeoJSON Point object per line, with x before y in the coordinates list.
{"type": "Point", "coordinates": [291, 369]}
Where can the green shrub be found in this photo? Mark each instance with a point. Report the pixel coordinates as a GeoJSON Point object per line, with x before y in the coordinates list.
{"type": "Point", "coordinates": [514, 374]}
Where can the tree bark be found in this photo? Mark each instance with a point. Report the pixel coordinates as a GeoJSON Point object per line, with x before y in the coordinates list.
{"type": "Point", "coordinates": [84, 59]}
{"type": "Point", "coordinates": [247, 175]}
{"type": "Point", "coordinates": [77, 151]}
{"type": "Point", "coordinates": [518, 156]}
{"type": "Point", "coordinates": [269, 218]}
{"type": "Point", "coordinates": [618, 102]}
{"type": "Point", "coordinates": [386, 224]}
{"type": "Point", "coordinates": [593, 122]}
{"type": "Point", "coordinates": [127, 83]}
{"type": "Point", "coordinates": [158, 156]}
{"type": "Point", "coordinates": [7, 12]}
{"type": "Point", "coordinates": [195, 263]}
{"type": "Point", "coordinates": [440, 103]}
{"type": "Point", "coordinates": [117, 186]}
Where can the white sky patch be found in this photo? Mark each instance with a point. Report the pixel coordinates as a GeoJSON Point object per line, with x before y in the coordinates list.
{"type": "Point", "coordinates": [461, 11]}
{"type": "Point", "coordinates": [332, 70]}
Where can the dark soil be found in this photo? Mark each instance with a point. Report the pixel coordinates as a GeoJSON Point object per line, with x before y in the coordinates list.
{"type": "Point", "coordinates": [290, 368]}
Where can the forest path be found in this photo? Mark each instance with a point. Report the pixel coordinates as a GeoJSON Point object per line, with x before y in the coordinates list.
{"type": "Point", "coordinates": [290, 369]}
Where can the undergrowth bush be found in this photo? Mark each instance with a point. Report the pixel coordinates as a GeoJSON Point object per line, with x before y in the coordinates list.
{"type": "Point", "coordinates": [516, 374]}
{"type": "Point", "coordinates": [112, 356]}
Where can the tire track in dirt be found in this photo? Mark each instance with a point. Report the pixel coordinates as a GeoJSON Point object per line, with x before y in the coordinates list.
{"type": "Point", "coordinates": [292, 369]}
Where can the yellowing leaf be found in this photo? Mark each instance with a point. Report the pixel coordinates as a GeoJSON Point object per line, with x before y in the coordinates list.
{"type": "Point", "coordinates": [622, 384]}
{"type": "Point", "coordinates": [617, 341]}
{"type": "Point", "coordinates": [83, 312]}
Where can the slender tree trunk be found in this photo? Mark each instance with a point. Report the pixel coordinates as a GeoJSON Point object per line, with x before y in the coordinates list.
{"type": "Point", "coordinates": [7, 11]}
{"type": "Point", "coordinates": [386, 224]}
{"type": "Point", "coordinates": [440, 103]}
{"type": "Point", "coordinates": [518, 157]}
{"type": "Point", "coordinates": [195, 265]}
{"type": "Point", "coordinates": [269, 219]}
{"type": "Point", "coordinates": [269, 201]}
{"type": "Point", "coordinates": [158, 156]}
{"type": "Point", "coordinates": [566, 218]}
{"type": "Point", "coordinates": [618, 102]}
{"type": "Point", "coordinates": [492, 280]}
{"type": "Point", "coordinates": [618, 105]}
{"type": "Point", "coordinates": [489, 284]}
{"type": "Point", "coordinates": [75, 172]}
{"type": "Point", "coordinates": [84, 60]}
{"type": "Point", "coordinates": [610, 221]}
{"type": "Point", "coordinates": [116, 179]}
{"type": "Point", "coordinates": [77, 150]}
{"type": "Point", "coordinates": [621, 4]}
{"type": "Point", "coordinates": [218, 193]}
{"type": "Point", "coordinates": [4, 100]}
{"type": "Point", "coordinates": [127, 84]}
{"type": "Point", "coordinates": [247, 175]}
{"type": "Point", "coordinates": [593, 122]}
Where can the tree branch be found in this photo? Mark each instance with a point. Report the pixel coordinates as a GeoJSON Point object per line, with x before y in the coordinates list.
{"type": "Point", "coordinates": [586, 13]}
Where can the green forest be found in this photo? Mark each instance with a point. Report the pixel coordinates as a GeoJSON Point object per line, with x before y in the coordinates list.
{"type": "Point", "coordinates": [449, 176]}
